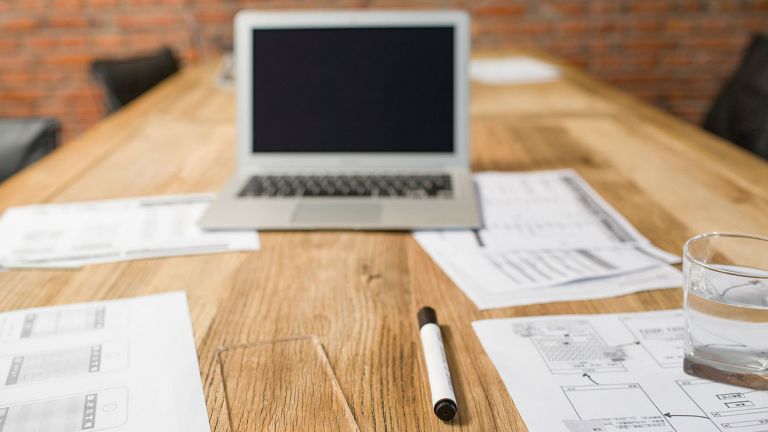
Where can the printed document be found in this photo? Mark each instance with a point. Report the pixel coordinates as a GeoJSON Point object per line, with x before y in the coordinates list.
{"type": "Point", "coordinates": [612, 373]}
{"type": "Point", "coordinates": [544, 210]}
{"type": "Point", "coordinates": [547, 236]}
{"type": "Point", "coordinates": [493, 279]}
{"type": "Point", "coordinates": [121, 365]}
{"type": "Point", "coordinates": [512, 70]}
{"type": "Point", "coordinates": [77, 234]}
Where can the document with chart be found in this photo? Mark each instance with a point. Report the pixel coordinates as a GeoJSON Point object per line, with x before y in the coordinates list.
{"type": "Point", "coordinates": [121, 365]}
{"type": "Point", "coordinates": [612, 373]}
{"type": "Point", "coordinates": [77, 234]}
{"type": "Point", "coordinates": [547, 237]}
{"type": "Point", "coordinates": [545, 210]}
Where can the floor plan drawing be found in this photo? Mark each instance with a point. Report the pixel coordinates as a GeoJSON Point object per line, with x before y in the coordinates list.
{"type": "Point", "coordinates": [612, 373]}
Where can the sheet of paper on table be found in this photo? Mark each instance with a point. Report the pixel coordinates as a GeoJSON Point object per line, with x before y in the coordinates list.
{"type": "Point", "coordinates": [612, 373]}
{"type": "Point", "coordinates": [492, 282]}
{"type": "Point", "coordinates": [77, 234]}
{"type": "Point", "coordinates": [120, 365]}
{"type": "Point", "coordinates": [547, 236]}
{"type": "Point", "coordinates": [225, 75]}
{"type": "Point", "coordinates": [512, 70]}
{"type": "Point", "coordinates": [547, 209]}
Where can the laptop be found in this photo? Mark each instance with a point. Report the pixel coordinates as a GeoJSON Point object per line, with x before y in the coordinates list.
{"type": "Point", "coordinates": [350, 120]}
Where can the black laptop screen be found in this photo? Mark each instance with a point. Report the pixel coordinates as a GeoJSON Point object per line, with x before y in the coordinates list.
{"type": "Point", "coordinates": [353, 90]}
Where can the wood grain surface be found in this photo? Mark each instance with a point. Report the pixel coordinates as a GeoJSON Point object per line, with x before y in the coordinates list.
{"type": "Point", "coordinates": [283, 385]}
{"type": "Point", "coordinates": [358, 292]}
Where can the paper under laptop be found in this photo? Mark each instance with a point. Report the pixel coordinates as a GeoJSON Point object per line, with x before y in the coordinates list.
{"type": "Point", "coordinates": [547, 236]}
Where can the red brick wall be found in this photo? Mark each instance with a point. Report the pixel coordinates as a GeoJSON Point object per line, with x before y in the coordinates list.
{"type": "Point", "coordinates": [673, 53]}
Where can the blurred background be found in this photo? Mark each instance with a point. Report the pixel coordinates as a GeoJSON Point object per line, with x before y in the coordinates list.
{"type": "Point", "coordinates": [675, 54]}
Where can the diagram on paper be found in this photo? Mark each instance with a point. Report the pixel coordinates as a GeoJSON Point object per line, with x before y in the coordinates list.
{"type": "Point", "coordinates": [661, 336]}
{"type": "Point", "coordinates": [41, 366]}
{"type": "Point", "coordinates": [94, 411]}
{"type": "Point", "coordinates": [547, 236]}
{"type": "Point", "coordinates": [101, 366]}
{"type": "Point", "coordinates": [612, 373]}
{"type": "Point", "coordinates": [730, 408]}
{"type": "Point", "coordinates": [569, 347]}
{"type": "Point", "coordinates": [16, 326]}
{"type": "Point", "coordinates": [614, 407]}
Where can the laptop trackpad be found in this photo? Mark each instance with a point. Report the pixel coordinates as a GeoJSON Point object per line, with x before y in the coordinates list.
{"type": "Point", "coordinates": [312, 212]}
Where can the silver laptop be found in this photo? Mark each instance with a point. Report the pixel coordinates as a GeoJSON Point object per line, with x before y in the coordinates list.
{"type": "Point", "coordinates": [350, 120]}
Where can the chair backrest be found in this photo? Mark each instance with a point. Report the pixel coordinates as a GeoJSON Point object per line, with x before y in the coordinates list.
{"type": "Point", "coordinates": [740, 112]}
{"type": "Point", "coordinates": [126, 79]}
{"type": "Point", "coordinates": [24, 141]}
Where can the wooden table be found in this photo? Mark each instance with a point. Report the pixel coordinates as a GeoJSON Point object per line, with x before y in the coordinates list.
{"type": "Point", "coordinates": [359, 291]}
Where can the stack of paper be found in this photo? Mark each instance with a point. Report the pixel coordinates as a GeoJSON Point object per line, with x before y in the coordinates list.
{"type": "Point", "coordinates": [512, 70]}
{"type": "Point", "coordinates": [547, 237]}
{"type": "Point", "coordinates": [123, 365]}
{"type": "Point", "coordinates": [77, 234]}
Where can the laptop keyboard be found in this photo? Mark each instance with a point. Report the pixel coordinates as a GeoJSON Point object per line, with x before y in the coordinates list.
{"type": "Point", "coordinates": [388, 185]}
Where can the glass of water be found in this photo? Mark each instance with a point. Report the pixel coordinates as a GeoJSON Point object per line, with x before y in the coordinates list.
{"type": "Point", "coordinates": [726, 308]}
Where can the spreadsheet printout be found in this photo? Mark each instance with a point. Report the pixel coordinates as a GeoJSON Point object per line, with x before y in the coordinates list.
{"type": "Point", "coordinates": [76, 234]}
{"type": "Point", "coordinates": [547, 237]}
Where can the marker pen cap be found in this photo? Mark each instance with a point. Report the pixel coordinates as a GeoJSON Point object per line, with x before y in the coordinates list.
{"type": "Point", "coordinates": [445, 409]}
{"type": "Point", "coordinates": [426, 315]}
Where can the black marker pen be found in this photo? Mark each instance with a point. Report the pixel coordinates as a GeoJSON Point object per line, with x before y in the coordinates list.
{"type": "Point", "coordinates": [443, 399]}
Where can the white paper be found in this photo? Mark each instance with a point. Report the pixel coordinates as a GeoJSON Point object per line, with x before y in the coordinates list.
{"type": "Point", "coordinates": [547, 209]}
{"type": "Point", "coordinates": [225, 76]}
{"type": "Point", "coordinates": [490, 288]}
{"type": "Point", "coordinates": [76, 234]}
{"type": "Point", "coordinates": [121, 365]}
{"type": "Point", "coordinates": [612, 373]}
{"type": "Point", "coordinates": [547, 237]}
{"type": "Point", "coordinates": [502, 271]}
{"type": "Point", "coordinates": [512, 70]}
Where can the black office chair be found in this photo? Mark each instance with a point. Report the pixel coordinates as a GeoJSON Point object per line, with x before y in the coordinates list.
{"type": "Point", "coordinates": [740, 112]}
{"type": "Point", "coordinates": [126, 79]}
{"type": "Point", "coordinates": [24, 141]}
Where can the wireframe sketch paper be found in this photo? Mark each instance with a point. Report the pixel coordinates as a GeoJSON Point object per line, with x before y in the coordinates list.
{"type": "Point", "coordinates": [121, 365]}
{"type": "Point", "coordinates": [512, 70]}
{"type": "Point", "coordinates": [547, 236]}
{"type": "Point", "coordinates": [612, 373]}
{"type": "Point", "coordinates": [76, 234]}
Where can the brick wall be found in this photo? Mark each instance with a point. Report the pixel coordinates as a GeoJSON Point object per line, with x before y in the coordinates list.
{"type": "Point", "coordinates": [673, 53]}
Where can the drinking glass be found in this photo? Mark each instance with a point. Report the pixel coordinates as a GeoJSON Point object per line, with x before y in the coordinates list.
{"type": "Point", "coordinates": [726, 308]}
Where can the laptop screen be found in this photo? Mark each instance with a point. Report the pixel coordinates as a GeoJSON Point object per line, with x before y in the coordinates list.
{"type": "Point", "coordinates": [379, 90]}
